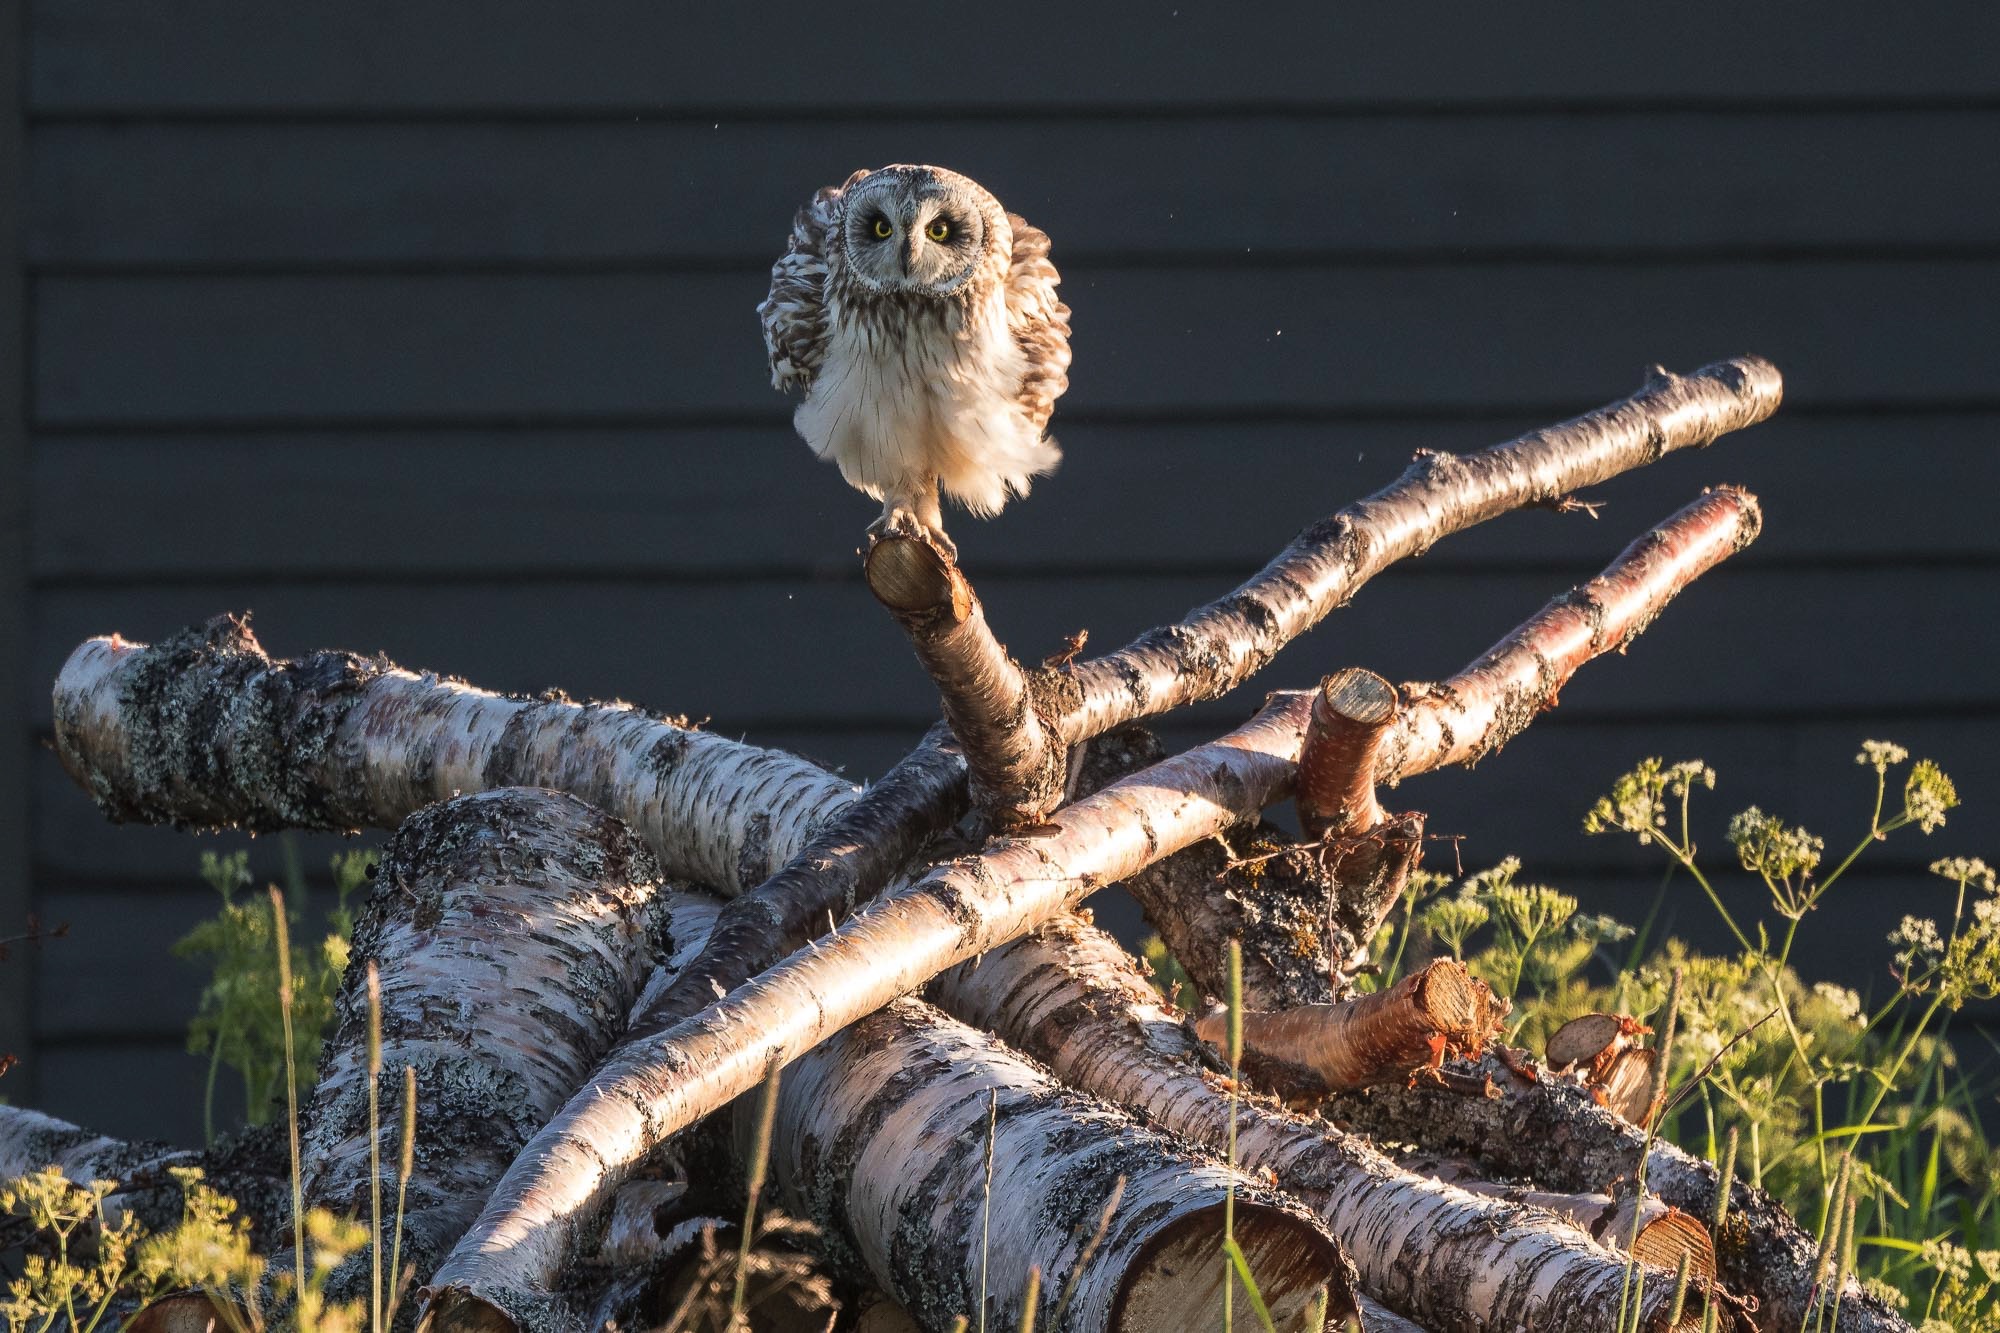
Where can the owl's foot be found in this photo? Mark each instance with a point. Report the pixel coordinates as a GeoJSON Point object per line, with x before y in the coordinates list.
{"type": "Point", "coordinates": [901, 522]}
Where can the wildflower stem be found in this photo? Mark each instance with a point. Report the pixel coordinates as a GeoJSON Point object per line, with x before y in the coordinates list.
{"type": "Point", "coordinates": [282, 929]}
{"type": "Point", "coordinates": [760, 1162]}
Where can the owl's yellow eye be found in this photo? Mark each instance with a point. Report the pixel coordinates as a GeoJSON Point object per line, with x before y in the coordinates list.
{"type": "Point", "coordinates": [939, 231]}
{"type": "Point", "coordinates": [883, 231]}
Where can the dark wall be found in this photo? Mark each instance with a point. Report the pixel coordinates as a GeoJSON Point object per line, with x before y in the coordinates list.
{"type": "Point", "coordinates": [428, 329]}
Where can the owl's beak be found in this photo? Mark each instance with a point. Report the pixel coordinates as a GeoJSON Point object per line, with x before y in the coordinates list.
{"type": "Point", "coordinates": [911, 240]}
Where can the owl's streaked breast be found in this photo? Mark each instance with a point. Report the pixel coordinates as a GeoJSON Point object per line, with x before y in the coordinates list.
{"type": "Point", "coordinates": [913, 387]}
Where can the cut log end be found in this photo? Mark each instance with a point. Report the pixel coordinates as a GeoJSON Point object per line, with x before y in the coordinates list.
{"type": "Point", "coordinates": [1672, 1236]}
{"type": "Point", "coordinates": [1176, 1283]}
{"type": "Point", "coordinates": [909, 576]}
{"type": "Point", "coordinates": [1359, 696]}
{"type": "Point", "coordinates": [1352, 712]}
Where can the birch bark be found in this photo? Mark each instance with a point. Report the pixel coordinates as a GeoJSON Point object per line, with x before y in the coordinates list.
{"type": "Point", "coordinates": [881, 1139]}
{"type": "Point", "coordinates": [1453, 1261]}
{"type": "Point", "coordinates": [1551, 1131]}
{"type": "Point", "coordinates": [204, 730]}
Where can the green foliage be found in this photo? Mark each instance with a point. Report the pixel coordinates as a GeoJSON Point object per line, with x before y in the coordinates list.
{"type": "Point", "coordinates": [1833, 1102]}
{"type": "Point", "coordinates": [71, 1287]}
{"type": "Point", "coordinates": [207, 1250]}
{"type": "Point", "coordinates": [238, 1023]}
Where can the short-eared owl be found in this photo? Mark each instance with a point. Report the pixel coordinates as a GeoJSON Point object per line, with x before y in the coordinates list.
{"type": "Point", "coordinates": [921, 321]}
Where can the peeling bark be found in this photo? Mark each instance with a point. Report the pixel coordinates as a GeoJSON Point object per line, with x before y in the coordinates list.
{"type": "Point", "coordinates": [881, 1139]}
{"type": "Point", "coordinates": [204, 730]}
{"type": "Point", "coordinates": [1219, 646]}
{"type": "Point", "coordinates": [1552, 1132]}
{"type": "Point", "coordinates": [1453, 1261]}
{"type": "Point", "coordinates": [1016, 768]}
{"type": "Point", "coordinates": [1310, 1050]}
{"type": "Point", "coordinates": [513, 931]}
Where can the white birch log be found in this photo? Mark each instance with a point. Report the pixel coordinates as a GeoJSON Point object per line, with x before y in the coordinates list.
{"type": "Point", "coordinates": [204, 730]}
{"type": "Point", "coordinates": [881, 1139]}
{"type": "Point", "coordinates": [513, 931]}
{"type": "Point", "coordinates": [652, 1089]}
{"type": "Point", "coordinates": [1453, 1261]}
{"type": "Point", "coordinates": [1217, 647]}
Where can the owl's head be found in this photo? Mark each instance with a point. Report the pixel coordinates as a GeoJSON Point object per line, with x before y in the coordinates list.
{"type": "Point", "coordinates": [919, 230]}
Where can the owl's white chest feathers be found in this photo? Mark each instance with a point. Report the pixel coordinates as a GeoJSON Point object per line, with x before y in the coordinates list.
{"type": "Point", "coordinates": [904, 395]}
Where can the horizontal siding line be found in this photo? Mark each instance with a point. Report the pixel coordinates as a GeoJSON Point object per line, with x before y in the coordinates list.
{"type": "Point", "coordinates": [847, 572]}
{"type": "Point", "coordinates": [859, 114]}
{"type": "Point", "coordinates": [780, 417]}
{"type": "Point", "coordinates": [1495, 256]}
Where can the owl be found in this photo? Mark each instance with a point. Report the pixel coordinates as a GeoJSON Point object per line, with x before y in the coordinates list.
{"type": "Point", "coordinates": [920, 320]}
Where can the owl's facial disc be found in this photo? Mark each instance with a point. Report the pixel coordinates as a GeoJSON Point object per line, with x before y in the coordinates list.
{"type": "Point", "coordinates": [910, 231]}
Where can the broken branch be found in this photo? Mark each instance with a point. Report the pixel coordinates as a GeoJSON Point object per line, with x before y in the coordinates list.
{"type": "Point", "coordinates": [1016, 768]}
{"type": "Point", "coordinates": [1377, 1038]}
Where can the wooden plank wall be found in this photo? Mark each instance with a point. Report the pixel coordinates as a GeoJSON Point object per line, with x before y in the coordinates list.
{"type": "Point", "coordinates": [429, 330]}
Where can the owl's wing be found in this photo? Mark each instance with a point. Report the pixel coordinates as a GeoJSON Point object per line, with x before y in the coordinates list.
{"type": "Point", "coordinates": [1038, 321]}
{"type": "Point", "coordinates": [794, 314]}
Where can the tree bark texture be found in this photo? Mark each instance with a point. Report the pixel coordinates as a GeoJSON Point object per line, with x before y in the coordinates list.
{"type": "Point", "coordinates": [1217, 647]}
{"type": "Point", "coordinates": [1310, 1050]}
{"type": "Point", "coordinates": [1015, 766]}
{"type": "Point", "coordinates": [1473, 714]}
{"type": "Point", "coordinates": [963, 908]}
{"type": "Point", "coordinates": [204, 730]}
{"type": "Point", "coordinates": [651, 1088]}
{"type": "Point", "coordinates": [881, 1139]}
{"type": "Point", "coordinates": [513, 931]}
{"type": "Point", "coordinates": [860, 847]}
{"type": "Point", "coordinates": [1644, 1224]}
{"type": "Point", "coordinates": [1551, 1131]}
{"type": "Point", "coordinates": [1455, 1262]}
{"type": "Point", "coordinates": [1304, 917]}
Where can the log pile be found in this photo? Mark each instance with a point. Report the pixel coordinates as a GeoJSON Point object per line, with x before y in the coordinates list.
{"type": "Point", "coordinates": [599, 931]}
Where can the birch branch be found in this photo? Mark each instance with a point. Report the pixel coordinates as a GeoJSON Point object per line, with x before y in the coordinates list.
{"type": "Point", "coordinates": [1379, 1038]}
{"type": "Point", "coordinates": [1654, 1230]}
{"type": "Point", "coordinates": [1273, 900]}
{"type": "Point", "coordinates": [862, 845]}
{"type": "Point", "coordinates": [1217, 647]}
{"type": "Point", "coordinates": [1551, 1131]}
{"type": "Point", "coordinates": [909, 1086]}
{"type": "Point", "coordinates": [1451, 1260]}
{"type": "Point", "coordinates": [204, 730]}
{"type": "Point", "coordinates": [651, 1089]}
{"type": "Point", "coordinates": [1016, 769]}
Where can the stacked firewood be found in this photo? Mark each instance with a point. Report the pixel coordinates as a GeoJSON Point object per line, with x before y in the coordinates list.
{"type": "Point", "coordinates": [599, 931]}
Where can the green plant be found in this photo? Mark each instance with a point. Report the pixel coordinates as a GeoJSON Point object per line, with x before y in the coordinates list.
{"type": "Point", "coordinates": [237, 1022]}
{"type": "Point", "coordinates": [1857, 1116]}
